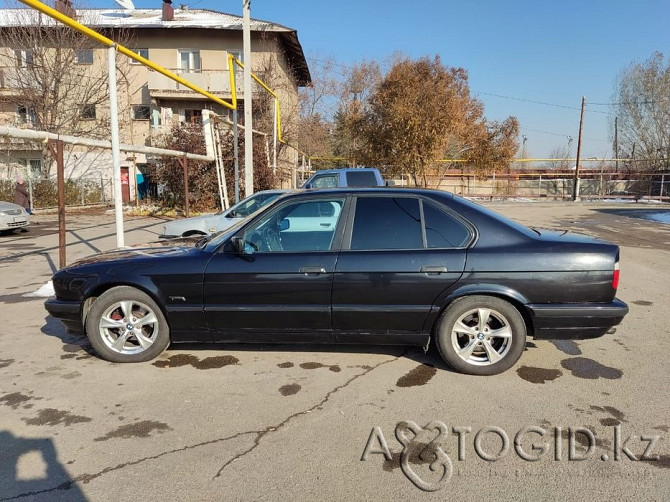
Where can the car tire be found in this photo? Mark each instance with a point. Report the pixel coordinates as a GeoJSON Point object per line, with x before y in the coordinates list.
{"type": "Point", "coordinates": [125, 325]}
{"type": "Point", "coordinates": [480, 335]}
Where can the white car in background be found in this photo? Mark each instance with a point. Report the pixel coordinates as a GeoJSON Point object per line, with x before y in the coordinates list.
{"type": "Point", "coordinates": [12, 217]}
{"type": "Point", "coordinates": [212, 223]}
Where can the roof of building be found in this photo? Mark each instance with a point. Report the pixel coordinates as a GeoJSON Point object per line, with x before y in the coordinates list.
{"type": "Point", "coordinates": [183, 18]}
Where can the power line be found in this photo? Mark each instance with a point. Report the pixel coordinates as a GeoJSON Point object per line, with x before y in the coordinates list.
{"type": "Point", "coordinates": [556, 105]}
{"type": "Point", "coordinates": [624, 103]}
{"type": "Point", "coordinates": [544, 103]}
{"type": "Point", "coordinates": [561, 135]}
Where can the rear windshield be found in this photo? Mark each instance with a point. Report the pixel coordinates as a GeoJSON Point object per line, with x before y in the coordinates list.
{"type": "Point", "coordinates": [362, 179]}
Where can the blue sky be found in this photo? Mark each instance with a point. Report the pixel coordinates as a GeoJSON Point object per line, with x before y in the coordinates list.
{"type": "Point", "coordinates": [552, 52]}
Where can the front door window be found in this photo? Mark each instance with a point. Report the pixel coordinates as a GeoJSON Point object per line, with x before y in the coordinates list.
{"type": "Point", "coordinates": [304, 226]}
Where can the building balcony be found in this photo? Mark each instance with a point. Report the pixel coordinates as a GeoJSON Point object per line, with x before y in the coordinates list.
{"type": "Point", "coordinates": [215, 81]}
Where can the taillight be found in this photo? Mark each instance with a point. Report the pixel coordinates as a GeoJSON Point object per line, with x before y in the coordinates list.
{"type": "Point", "coordinates": [615, 276]}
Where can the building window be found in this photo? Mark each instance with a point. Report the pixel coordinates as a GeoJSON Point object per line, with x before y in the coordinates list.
{"type": "Point", "coordinates": [24, 58]}
{"type": "Point", "coordinates": [193, 116]}
{"type": "Point", "coordinates": [87, 112]}
{"type": "Point", "coordinates": [142, 52]}
{"type": "Point", "coordinates": [84, 56]}
{"type": "Point", "coordinates": [189, 60]}
{"type": "Point", "coordinates": [239, 55]}
{"type": "Point", "coordinates": [26, 115]}
{"type": "Point", "coordinates": [141, 112]}
{"type": "Point", "coordinates": [33, 167]}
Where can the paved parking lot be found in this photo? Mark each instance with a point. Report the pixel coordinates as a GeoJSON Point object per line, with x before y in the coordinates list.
{"type": "Point", "coordinates": [280, 422]}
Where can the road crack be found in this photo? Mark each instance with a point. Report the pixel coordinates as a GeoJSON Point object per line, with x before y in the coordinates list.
{"type": "Point", "coordinates": [274, 428]}
{"type": "Point", "coordinates": [259, 434]}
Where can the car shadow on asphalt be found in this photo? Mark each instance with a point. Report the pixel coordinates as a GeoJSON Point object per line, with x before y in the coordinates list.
{"type": "Point", "coordinates": [431, 357]}
{"type": "Point", "coordinates": [71, 343]}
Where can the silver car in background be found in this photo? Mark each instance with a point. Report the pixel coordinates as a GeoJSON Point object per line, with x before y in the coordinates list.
{"type": "Point", "coordinates": [211, 223]}
{"type": "Point", "coordinates": [12, 217]}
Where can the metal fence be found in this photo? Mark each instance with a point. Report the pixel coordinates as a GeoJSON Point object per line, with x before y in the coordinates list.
{"type": "Point", "coordinates": [44, 193]}
{"type": "Point", "coordinates": [554, 185]}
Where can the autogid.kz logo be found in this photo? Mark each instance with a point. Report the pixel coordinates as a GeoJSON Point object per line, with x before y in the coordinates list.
{"type": "Point", "coordinates": [424, 446]}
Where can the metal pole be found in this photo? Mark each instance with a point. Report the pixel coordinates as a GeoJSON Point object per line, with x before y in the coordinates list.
{"type": "Point", "coordinates": [184, 163]}
{"type": "Point", "coordinates": [274, 139]}
{"type": "Point", "coordinates": [248, 128]}
{"type": "Point", "coordinates": [662, 182]}
{"type": "Point", "coordinates": [116, 152]}
{"type": "Point", "coordinates": [236, 156]}
{"type": "Point", "coordinates": [616, 144]}
{"type": "Point", "coordinates": [575, 186]}
{"type": "Point", "coordinates": [57, 152]}
{"type": "Point", "coordinates": [220, 173]}
{"type": "Point", "coordinates": [30, 192]}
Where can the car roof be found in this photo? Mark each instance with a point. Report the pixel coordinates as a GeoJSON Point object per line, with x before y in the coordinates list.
{"type": "Point", "coordinates": [344, 169]}
{"type": "Point", "coordinates": [371, 190]}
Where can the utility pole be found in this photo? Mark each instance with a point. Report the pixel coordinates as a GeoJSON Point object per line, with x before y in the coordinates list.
{"type": "Point", "coordinates": [616, 144]}
{"type": "Point", "coordinates": [248, 126]}
{"type": "Point", "coordinates": [116, 152]}
{"type": "Point", "coordinates": [236, 155]}
{"type": "Point", "coordinates": [575, 186]}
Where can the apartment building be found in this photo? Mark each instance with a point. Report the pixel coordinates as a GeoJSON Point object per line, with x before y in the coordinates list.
{"type": "Point", "coordinates": [192, 43]}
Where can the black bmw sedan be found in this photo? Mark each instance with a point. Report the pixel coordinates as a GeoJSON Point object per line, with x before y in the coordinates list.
{"type": "Point", "coordinates": [368, 266]}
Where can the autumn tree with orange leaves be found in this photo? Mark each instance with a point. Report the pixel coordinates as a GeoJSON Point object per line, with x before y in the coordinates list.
{"type": "Point", "coordinates": [420, 113]}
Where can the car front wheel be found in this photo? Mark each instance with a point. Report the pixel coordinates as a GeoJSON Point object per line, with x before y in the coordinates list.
{"type": "Point", "coordinates": [125, 325]}
{"type": "Point", "coordinates": [481, 335]}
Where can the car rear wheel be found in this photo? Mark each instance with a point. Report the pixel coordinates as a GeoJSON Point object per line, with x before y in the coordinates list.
{"type": "Point", "coordinates": [125, 325]}
{"type": "Point", "coordinates": [481, 335]}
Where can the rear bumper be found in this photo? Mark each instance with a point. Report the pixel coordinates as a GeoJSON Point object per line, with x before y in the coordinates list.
{"type": "Point", "coordinates": [576, 320]}
{"type": "Point", "coordinates": [67, 312]}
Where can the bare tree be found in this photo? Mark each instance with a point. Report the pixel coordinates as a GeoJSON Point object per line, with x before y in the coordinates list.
{"type": "Point", "coordinates": [355, 92]}
{"type": "Point", "coordinates": [642, 105]}
{"type": "Point", "coordinates": [560, 155]}
{"type": "Point", "coordinates": [58, 83]}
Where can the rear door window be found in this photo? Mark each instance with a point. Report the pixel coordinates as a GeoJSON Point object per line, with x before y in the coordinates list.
{"type": "Point", "coordinates": [387, 223]}
{"type": "Point", "coordinates": [442, 229]}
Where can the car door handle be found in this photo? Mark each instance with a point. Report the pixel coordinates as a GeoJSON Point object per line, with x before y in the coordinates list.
{"type": "Point", "coordinates": [312, 270]}
{"type": "Point", "coordinates": [433, 269]}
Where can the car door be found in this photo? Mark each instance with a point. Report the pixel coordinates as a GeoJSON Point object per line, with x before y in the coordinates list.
{"type": "Point", "coordinates": [281, 284]}
{"type": "Point", "coordinates": [399, 253]}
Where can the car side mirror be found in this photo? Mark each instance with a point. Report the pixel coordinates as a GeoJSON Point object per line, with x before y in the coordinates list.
{"type": "Point", "coordinates": [284, 224]}
{"type": "Point", "coordinates": [237, 244]}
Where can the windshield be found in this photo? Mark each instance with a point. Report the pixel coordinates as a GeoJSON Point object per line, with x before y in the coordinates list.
{"type": "Point", "coordinates": [251, 204]}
